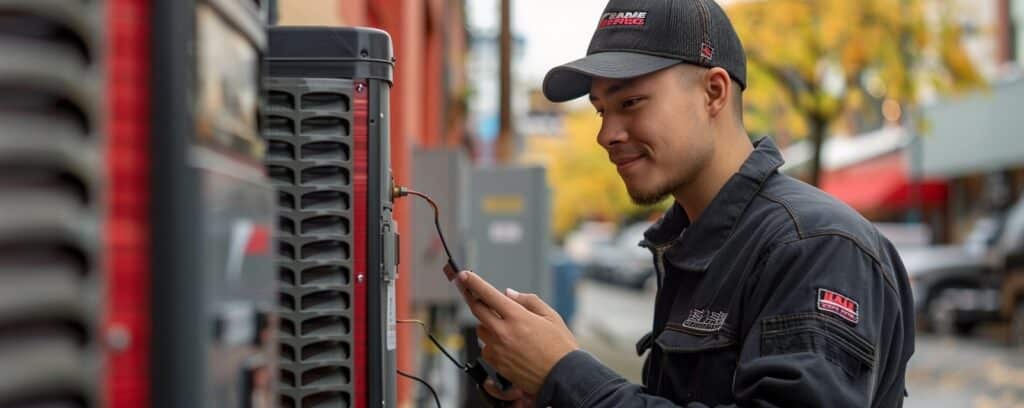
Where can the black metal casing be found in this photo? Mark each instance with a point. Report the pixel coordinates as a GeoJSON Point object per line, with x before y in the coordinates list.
{"type": "Point", "coordinates": [328, 113]}
{"type": "Point", "coordinates": [212, 279]}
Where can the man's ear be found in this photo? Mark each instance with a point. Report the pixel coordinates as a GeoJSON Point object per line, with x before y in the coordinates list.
{"type": "Point", "coordinates": [717, 90]}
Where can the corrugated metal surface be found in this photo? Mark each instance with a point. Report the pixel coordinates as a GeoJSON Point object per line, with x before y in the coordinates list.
{"type": "Point", "coordinates": [50, 202]}
{"type": "Point", "coordinates": [309, 133]}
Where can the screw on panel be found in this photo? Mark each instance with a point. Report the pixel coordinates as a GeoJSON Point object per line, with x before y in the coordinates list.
{"type": "Point", "coordinates": [360, 278]}
{"type": "Point", "coordinates": [118, 338]}
{"type": "Point", "coordinates": [359, 88]}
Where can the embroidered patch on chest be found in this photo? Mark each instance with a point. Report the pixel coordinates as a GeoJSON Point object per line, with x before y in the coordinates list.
{"type": "Point", "coordinates": [839, 305]}
{"type": "Point", "coordinates": [705, 320]}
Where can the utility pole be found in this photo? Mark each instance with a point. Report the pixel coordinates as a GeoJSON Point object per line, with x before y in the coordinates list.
{"type": "Point", "coordinates": [506, 135]}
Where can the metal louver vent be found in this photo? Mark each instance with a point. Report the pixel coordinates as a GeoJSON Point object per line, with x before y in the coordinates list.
{"type": "Point", "coordinates": [49, 202]}
{"type": "Point", "coordinates": [308, 133]}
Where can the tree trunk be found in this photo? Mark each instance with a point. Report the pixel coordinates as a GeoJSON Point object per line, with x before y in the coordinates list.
{"type": "Point", "coordinates": [817, 139]}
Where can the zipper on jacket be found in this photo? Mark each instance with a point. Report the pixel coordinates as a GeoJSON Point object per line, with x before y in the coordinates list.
{"type": "Point", "coordinates": [659, 258]}
{"type": "Point", "coordinates": [658, 250]}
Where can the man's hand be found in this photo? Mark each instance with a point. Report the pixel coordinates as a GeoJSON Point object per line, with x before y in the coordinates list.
{"type": "Point", "coordinates": [517, 397]}
{"type": "Point", "coordinates": [523, 337]}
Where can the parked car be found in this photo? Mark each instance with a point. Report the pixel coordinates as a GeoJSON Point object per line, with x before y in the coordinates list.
{"type": "Point", "coordinates": [580, 244]}
{"type": "Point", "coordinates": [1008, 258]}
{"type": "Point", "coordinates": [952, 287]}
{"type": "Point", "coordinates": [957, 287]}
{"type": "Point", "coordinates": [621, 261]}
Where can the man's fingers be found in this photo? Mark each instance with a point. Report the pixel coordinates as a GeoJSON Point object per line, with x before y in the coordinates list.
{"type": "Point", "coordinates": [511, 394]}
{"type": "Point", "coordinates": [531, 302]}
{"type": "Point", "coordinates": [486, 293]}
{"type": "Point", "coordinates": [483, 313]}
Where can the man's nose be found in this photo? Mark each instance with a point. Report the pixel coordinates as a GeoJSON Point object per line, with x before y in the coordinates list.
{"type": "Point", "coordinates": [611, 133]}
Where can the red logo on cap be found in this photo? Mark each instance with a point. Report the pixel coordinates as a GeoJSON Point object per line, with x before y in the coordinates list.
{"type": "Point", "coordinates": [707, 52]}
{"type": "Point", "coordinates": [624, 18]}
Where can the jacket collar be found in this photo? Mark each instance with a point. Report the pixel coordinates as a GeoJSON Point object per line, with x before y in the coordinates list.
{"type": "Point", "coordinates": [695, 249]}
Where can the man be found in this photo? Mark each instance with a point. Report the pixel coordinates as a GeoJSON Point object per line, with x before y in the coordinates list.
{"type": "Point", "coordinates": [771, 293]}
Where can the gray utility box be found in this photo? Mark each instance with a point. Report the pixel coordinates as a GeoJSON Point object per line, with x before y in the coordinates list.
{"type": "Point", "coordinates": [509, 236]}
{"type": "Point", "coordinates": [443, 174]}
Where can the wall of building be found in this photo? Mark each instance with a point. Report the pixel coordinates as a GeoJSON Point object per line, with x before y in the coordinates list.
{"type": "Point", "coordinates": [309, 12]}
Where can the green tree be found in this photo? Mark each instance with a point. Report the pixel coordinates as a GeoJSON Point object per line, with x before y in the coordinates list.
{"type": "Point", "coordinates": [811, 62]}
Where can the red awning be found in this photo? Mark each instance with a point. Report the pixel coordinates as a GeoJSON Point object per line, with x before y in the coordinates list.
{"type": "Point", "coordinates": [881, 183]}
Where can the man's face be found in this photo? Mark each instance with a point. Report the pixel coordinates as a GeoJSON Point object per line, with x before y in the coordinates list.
{"type": "Point", "coordinates": [655, 129]}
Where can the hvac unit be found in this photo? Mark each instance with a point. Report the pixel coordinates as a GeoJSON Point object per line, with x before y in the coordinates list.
{"type": "Point", "coordinates": [52, 198]}
{"type": "Point", "coordinates": [135, 213]}
{"type": "Point", "coordinates": [326, 127]}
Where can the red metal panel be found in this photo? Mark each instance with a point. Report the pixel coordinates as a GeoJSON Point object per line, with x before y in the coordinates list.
{"type": "Point", "coordinates": [404, 20]}
{"type": "Point", "coordinates": [127, 229]}
{"type": "Point", "coordinates": [360, 163]}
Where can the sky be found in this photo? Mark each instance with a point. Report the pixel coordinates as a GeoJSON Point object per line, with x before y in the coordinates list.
{"type": "Point", "coordinates": [556, 31]}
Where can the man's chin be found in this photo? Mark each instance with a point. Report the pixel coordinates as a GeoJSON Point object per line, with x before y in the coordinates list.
{"type": "Point", "coordinates": [640, 197]}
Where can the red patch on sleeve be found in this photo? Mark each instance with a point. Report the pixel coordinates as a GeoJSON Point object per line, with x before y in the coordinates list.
{"type": "Point", "coordinates": [839, 305]}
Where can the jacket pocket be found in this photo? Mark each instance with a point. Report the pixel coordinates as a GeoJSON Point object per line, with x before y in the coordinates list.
{"type": "Point", "coordinates": [697, 367]}
{"type": "Point", "coordinates": [820, 334]}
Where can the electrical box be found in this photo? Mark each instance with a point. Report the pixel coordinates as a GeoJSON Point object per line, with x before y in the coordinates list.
{"type": "Point", "coordinates": [510, 235]}
{"type": "Point", "coordinates": [326, 126]}
{"type": "Point", "coordinates": [443, 174]}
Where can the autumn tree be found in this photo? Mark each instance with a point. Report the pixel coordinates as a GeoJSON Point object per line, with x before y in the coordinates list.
{"type": "Point", "coordinates": [817, 60]}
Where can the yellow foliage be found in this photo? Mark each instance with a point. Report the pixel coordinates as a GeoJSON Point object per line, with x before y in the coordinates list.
{"type": "Point", "coordinates": [584, 183]}
{"type": "Point", "coordinates": [795, 46]}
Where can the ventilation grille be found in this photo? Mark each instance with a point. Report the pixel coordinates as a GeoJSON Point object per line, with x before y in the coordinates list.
{"type": "Point", "coordinates": [309, 158]}
{"type": "Point", "coordinates": [49, 203]}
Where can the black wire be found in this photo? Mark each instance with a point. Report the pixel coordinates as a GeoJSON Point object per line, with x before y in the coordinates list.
{"type": "Point", "coordinates": [436, 343]}
{"type": "Point", "coordinates": [437, 221]}
{"type": "Point", "coordinates": [425, 384]}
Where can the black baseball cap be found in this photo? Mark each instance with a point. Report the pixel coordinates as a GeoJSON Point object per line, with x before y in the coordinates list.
{"type": "Point", "coordinates": [638, 37]}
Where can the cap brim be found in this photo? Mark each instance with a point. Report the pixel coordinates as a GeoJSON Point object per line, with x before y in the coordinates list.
{"type": "Point", "coordinates": [570, 81]}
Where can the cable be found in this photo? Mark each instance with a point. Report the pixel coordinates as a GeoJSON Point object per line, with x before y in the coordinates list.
{"type": "Point", "coordinates": [437, 401]}
{"type": "Point", "coordinates": [434, 340]}
{"type": "Point", "coordinates": [402, 192]}
{"type": "Point", "coordinates": [475, 370]}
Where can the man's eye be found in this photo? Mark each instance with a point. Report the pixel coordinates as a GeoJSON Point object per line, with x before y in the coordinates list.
{"type": "Point", "coordinates": [629, 103]}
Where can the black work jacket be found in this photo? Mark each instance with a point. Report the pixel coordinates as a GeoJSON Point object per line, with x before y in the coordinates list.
{"type": "Point", "coordinates": [778, 295]}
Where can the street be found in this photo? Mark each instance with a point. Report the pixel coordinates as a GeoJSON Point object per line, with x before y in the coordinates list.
{"type": "Point", "coordinates": [977, 372]}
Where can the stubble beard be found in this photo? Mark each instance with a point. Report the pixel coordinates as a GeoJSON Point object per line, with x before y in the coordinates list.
{"type": "Point", "coordinates": [677, 182]}
{"type": "Point", "coordinates": [655, 195]}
